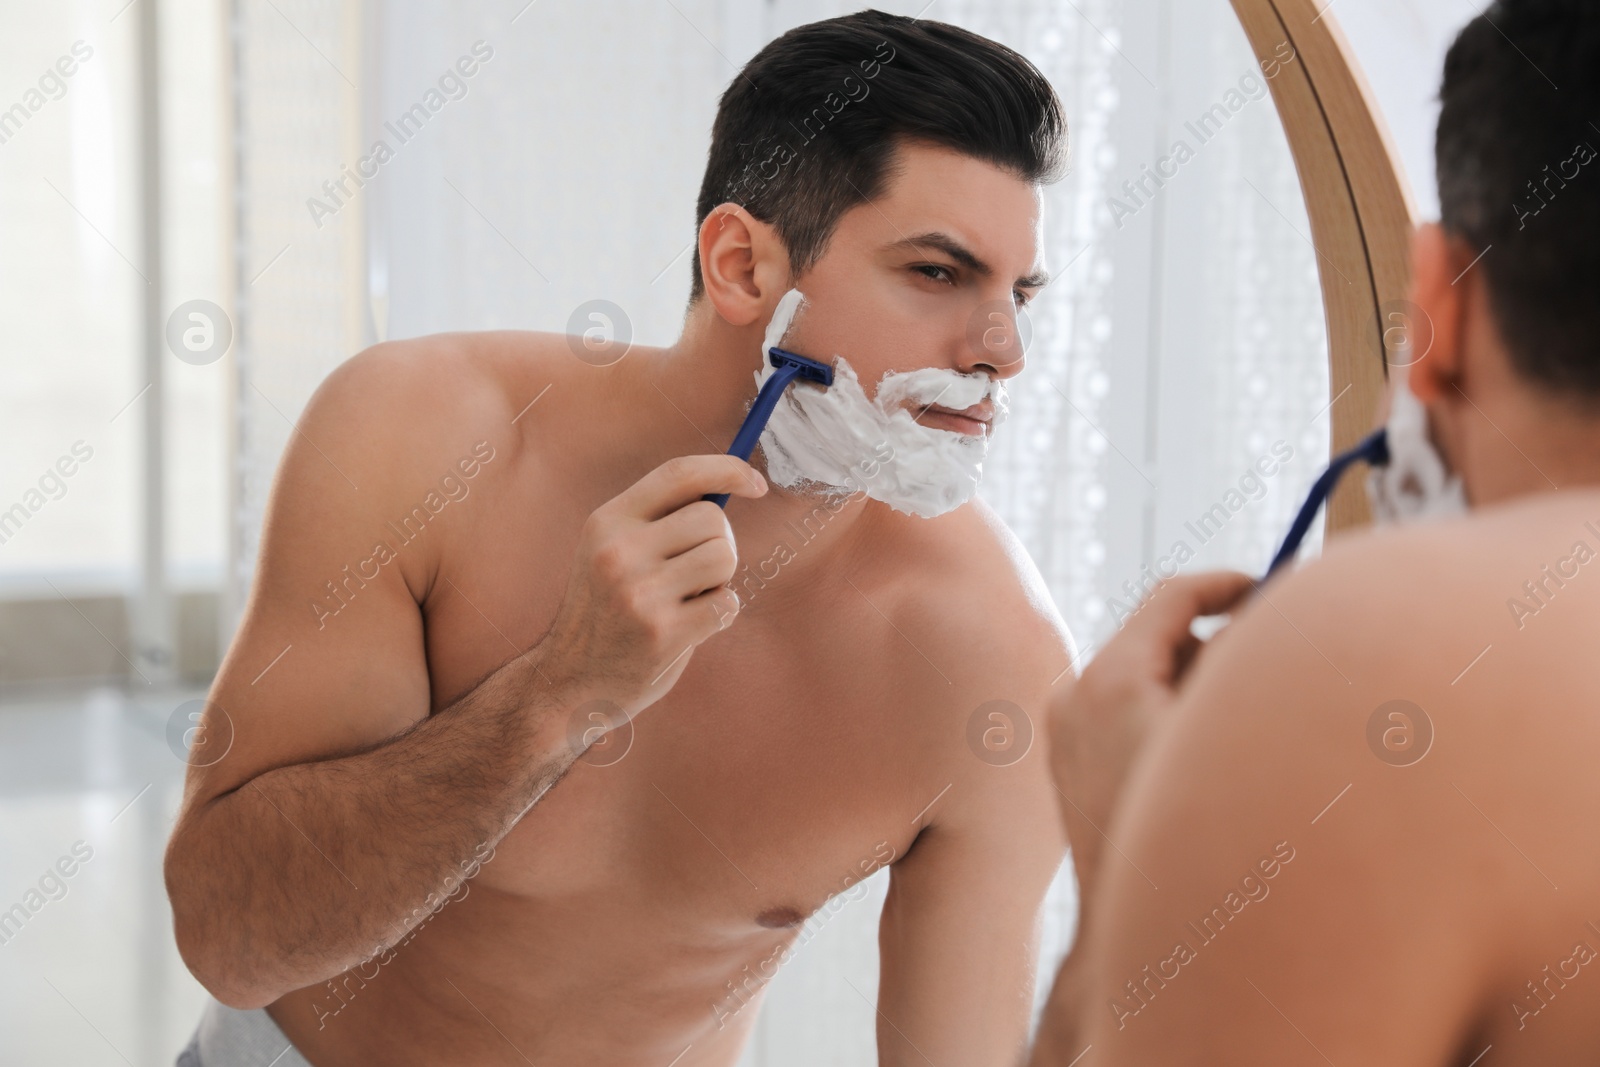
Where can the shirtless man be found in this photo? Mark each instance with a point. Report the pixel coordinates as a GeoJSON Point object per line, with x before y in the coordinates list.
{"type": "Point", "coordinates": [1361, 829]}
{"type": "Point", "coordinates": [416, 733]}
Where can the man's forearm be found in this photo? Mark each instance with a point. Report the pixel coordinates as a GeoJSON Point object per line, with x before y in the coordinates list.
{"type": "Point", "coordinates": [307, 870]}
{"type": "Point", "coordinates": [1061, 1036]}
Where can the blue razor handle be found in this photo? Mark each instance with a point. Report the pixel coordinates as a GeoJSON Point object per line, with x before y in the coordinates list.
{"type": "Point", "coordinates": [789, 366]}
{"type": "Point", "coordinates": [1374, 450]}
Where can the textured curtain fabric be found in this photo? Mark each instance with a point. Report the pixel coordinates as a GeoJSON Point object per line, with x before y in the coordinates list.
{"type": "Point", "coordinates": [298, 298]}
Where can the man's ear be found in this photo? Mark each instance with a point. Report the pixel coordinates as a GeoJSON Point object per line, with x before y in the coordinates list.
{"type": "Point", "coordinates": [1440, 294]}
{"type": "Point", "coordinates": [743, 264]}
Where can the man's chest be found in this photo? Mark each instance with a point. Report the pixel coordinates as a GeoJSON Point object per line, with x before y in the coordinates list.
{"type": "Point", "coordinates": [790, 761]}
{"type": "Point", "coordinates": [770, 778]}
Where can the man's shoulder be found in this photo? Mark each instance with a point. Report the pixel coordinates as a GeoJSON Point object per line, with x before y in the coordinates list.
{"type": "Point", "coordinates": [975, 609]}
{"type": "Point", "coordinates": [408, 402]}
{"type": "Point", "coordinates": [445, 375]}
{"type": "Point", "coordinates": [970, 568]}
{"type": "Point", "coordinates": [1432, 588]}
{"type": "Point", "coordinates": [1456, 651]}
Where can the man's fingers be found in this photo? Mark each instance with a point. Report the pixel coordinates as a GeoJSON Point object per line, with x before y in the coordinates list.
{"type": "Point", "coordinates": [1182, 600]}
{"type": "Point", "coordinates": [1216, 592]}
{"type": "Point", "coordinates": [683, 479]}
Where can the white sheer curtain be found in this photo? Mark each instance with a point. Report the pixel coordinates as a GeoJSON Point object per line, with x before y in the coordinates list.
{"type": "Point", "coordinates": [1176, 346]}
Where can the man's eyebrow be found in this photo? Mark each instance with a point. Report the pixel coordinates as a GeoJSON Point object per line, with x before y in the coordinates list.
{"type": "Point", "coordinates": [964, 256]}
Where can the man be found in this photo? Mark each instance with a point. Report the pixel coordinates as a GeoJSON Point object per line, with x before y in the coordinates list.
{"type": "Point", "coordinates": [1360, 829]}
{"type": "Point", "coordinates": [421, 845]}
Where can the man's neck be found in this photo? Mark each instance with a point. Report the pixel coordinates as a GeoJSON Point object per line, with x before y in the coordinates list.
{"type": "Point", "coordinates": [1527, 444]}
{"type": "Point", "coordinates": [708, 377]}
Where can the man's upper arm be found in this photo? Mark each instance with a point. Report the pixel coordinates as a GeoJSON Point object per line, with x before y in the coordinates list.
{"type": "Point", "coordinates": [959, 936]}
{"type": "Point", "coordinates": [960, 927]}
{"type": "Point", "coordinates": [1278, 893]}
{"type": "Point", "coordinates": [329, 656]}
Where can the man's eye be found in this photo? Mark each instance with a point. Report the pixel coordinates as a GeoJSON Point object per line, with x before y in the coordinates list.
{"type": "Point", "coordinates": [1022, 298]}
{"type": "Point", "coordinates": [934, 271]}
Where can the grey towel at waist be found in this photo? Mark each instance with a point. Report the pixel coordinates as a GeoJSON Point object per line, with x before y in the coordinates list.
{"type": "Point", "coordinates": [228, 1037]}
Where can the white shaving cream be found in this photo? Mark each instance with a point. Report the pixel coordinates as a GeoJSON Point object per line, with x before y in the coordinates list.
{"type": "Point", "coordinates": [834, 442]}
{"type": "Point", "coordinates": [1416, 484]}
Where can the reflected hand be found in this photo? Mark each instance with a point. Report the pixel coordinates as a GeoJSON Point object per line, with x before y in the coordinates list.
{"type": "Point", "coordinates": [1099, 725]}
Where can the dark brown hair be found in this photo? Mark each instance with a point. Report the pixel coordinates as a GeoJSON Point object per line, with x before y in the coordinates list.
{"type": "Point", "coordinates": [810, 127]}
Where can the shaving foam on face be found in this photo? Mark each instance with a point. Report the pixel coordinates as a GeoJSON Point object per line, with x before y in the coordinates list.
{"type": "Point", "coordinates": [1417, 483]}
{"type": "Point", "coordinates": [834, 442]}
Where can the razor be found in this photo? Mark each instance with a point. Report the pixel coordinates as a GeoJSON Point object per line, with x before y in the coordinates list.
{"type": "Point", "coordinates": [788, 367]}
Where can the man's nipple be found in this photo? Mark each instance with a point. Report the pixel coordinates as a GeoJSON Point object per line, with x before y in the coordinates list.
{"type": "Point", "coordinates": [780, 918]}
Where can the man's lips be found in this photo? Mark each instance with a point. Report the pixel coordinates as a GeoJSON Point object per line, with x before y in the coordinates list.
{"type": "Point", "coordinates": [974, 420]}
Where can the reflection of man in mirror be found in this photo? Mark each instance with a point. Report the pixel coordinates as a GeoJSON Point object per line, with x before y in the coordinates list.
{"type": "Point", "coordinates": [1370, 804]}
{"type": "Point", "coordinates": [528, 766]}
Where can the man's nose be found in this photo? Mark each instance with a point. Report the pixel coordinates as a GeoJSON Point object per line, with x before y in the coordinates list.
{"type": "Point", "coordinates": [994, 341]}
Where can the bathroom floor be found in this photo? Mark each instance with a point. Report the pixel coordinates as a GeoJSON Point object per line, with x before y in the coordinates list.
{"type": "Point", "coordinates": [89, 973]}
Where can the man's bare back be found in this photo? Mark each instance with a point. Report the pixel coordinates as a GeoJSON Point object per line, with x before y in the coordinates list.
{"type": "Point", "coordinates": [638, 909]}
{"type": "Point", "coordinates": [1371, 815]}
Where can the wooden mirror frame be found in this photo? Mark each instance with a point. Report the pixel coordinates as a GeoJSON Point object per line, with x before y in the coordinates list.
{"type": "Point", "coordinates": [1360, 208]}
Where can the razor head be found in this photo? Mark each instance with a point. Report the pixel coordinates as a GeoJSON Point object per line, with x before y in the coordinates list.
{"type": "Point", "coordinates": [809, 369]}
